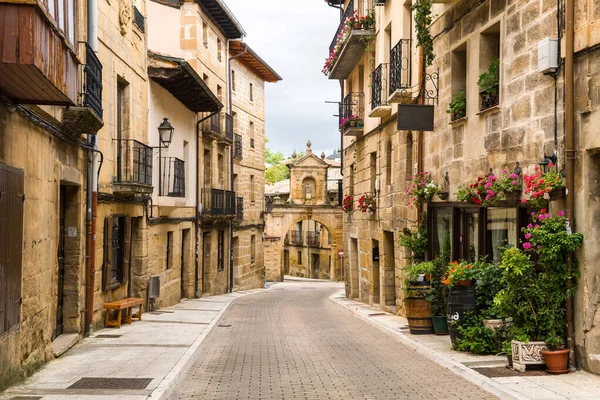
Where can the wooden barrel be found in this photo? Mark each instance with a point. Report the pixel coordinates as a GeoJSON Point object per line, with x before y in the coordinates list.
{"type": "Point", "coordinates": [418, 313]}
{"type": "Point", "coordinates": [461, 300]}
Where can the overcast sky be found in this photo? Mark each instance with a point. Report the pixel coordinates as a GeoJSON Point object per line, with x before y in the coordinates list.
{"type": "Point", "coordinates": [293, 37]}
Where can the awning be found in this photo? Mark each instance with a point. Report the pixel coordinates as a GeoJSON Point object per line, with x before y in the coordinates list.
{"type": "Point", "coordinates": [183, 82]}
{"type": "Point", "coordinates": [245, 54]}
{"type": "Point", "coordinates": [223, 17]}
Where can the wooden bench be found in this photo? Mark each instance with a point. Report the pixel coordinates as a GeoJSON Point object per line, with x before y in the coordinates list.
{"type": "Point", "coordinates": [121, 305]}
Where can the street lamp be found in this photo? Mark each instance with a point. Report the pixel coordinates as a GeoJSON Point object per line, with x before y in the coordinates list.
{"type": "Point", "coordinates": [546, 162]}
{"type": "Point", "coordinates": [165, 133]}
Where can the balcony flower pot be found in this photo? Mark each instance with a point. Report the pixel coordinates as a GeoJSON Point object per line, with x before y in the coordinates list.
{"type": "Point", "coordinates": [558, 194]}
{"type": "Point", "coordinates": [440, 324]}
{"type": "Point", "coordinates": [514, 196]}
{"type": "Point", "coordinates": [359, 123]}
{"type": "Point", "coordinates": [556, 361]}
{"type": "Point", "coordinates": [352, 123]}
{"type": "Point", "coordinates": [494, 324]}
{"type": "Point", "coordinates": [443, 195]}
{"type": "Point", "coordinates": [527, 353]}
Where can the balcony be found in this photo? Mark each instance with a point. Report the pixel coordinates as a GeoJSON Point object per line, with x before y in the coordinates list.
{"type": "Point", "coordinates": [348, 44]}
{"type": "Point", "coordinates": [286, 239]}
{"type": "Point", "coordinates": [172, 177]}
{"type": "Point", "coordinates": [352, 114]}
{"type": "Point", "coordinates": [213, 127]}
{"type": "Point", "coordinates": [37, 64]}
{"type": "Point", "coordinates": [229, 127]}
{"type": "Point", "coordinates": [296, 238]}
{"type": "Point", "coordinates": [134, 168]}
{"type": "Point", "coordinates": [239, 209]}
{"type": "Point", "coordinates": [237, 147]}
{"type": "Point", "coordinates": [138, 19]}
{"type": "Point", "coordinates": [400, 72]}
{"type": "Point", "coordinates": [219, 203]}
{"type": "Point", "coordinates": [313, 239]}
{"type": "Point", "coordinates": [379, 103]}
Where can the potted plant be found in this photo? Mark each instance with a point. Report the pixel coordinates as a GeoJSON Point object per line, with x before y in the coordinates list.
{"type": "Point", "coordinates": [438, 296]}
{"type": "Point", "coordinates": [539, 183]}
{"type": "Point", "coordinates": [490, 189]}
{"type": "Point", "coordinates": [347, 204]}
{"type": "Point", "coordinates": [458, 106]}
{"type": "Point", "coordinates": [420, 188]}
{"type": "Point", "coordinates": [367, 204]}
{"type": "Point", "coordinates": [416, 303]}
{"type": "Point", "coordinates": [462, 296]}
{"type": "Point", "coordinates": [488, 83]}
{"type": "Point", "coordinates": [415, 241]}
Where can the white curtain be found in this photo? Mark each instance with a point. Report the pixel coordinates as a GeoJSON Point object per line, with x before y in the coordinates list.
{"type": "Point", "coordinates": [502, 223]}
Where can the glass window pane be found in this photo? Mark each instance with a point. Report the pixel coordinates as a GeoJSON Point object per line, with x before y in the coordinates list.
{"type": "Point", "coordinates": [501, 231]}
{"type": "Point", "coordinates": [442, 235]}
{"type": "Point", "coordinates": [71, 20]}
{"type": "Point", "coordinates": [471, 236]}
{"type": "Point", "coordinates": [61, 14]}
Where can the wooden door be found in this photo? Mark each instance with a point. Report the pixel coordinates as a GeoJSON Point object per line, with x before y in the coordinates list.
{"type": "Point", "coordinates": [61, 264]}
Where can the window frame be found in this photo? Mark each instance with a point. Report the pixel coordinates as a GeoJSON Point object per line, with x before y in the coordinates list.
{"type": "Point", "coordinates": [221, 250]}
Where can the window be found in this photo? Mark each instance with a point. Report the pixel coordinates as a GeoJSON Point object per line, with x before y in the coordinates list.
{"type": "Point", "coordinates": [459, 80]}
{"type": "Point", "coordinates": [205, 34]}
{"type": "Point", "coordinates": [233, 80]}
{"type": "Point", "coordinates": [388, 162]}
{"type": "Point", "coordinates": [489, 61]}
{"type": "Point", "coordinates": [251, 134]}
{"type": "Point", "coordinates": [252, 196]}
{"type": "Point", "coordinates": [251, 93]}
{"type": "Point", "coordinates": [299, 258]}
{"type": "Point", "coordinates": [373, 171]}
{"type": "Point", "coordinates": [219, 50]}
{"type": "Point", "coordinates": [117, 248]}
{"type": "Point", "coordinates": [221, 166]}
{"type": "Point", "coordinates": [501, 231]}
{"type": "Point", "coordinates": [252, 249]}
{"type": "Point", "coordinates": [207, 169]}
{"type": "Point", "coordinates": [220, 93]}
{"type": "Point", "coordinates": [351, 180]}
{"type": "Point", "coordinates": [169, 250]}
{"type": "Point", "coordinates": [221, 251]}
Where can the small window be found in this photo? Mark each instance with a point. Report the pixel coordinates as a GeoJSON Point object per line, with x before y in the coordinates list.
{"type": "Point", "coordinates": [117, 240]}
{"type": "Point", "coordinates": [299, 258]}
{"type": "Point", "coordinates": [233, 80]}
{"type": "Point", "coordinates": [252, 196]}
{"type": "Point", "coordinates": [251, 134]}
{"type": "Point", "coordinates": [489, 68]}
{"type": "Point", "coordinates": [251, 92]}
{"type": "Point", "coordinates": [373, 171]}
{"type": "Point", "coordinates": [219, 50]}
{"type": "Point", "coordinates": [205, 34]}
{"type": "Point", "coordinates": [221, 251]}
{"type": "Point", "coordinates": [169, 250]}
{"type": "Point", "coordinates": [459, 83]}
{"type": "Point", "coordinates": [220, 93]}
{"type": "Point", "coordinates": [252, 249]}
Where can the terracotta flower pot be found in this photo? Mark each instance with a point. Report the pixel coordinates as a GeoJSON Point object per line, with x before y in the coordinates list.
{"type": "Point", "coordinates": [558, 194]}
{"type": "Point", "coordinates": [464, 282]}
{"type": "Point", "coordinates": [556, 361]}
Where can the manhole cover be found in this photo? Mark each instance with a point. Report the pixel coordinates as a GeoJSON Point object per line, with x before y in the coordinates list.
{"type": "Point", "coordinates": [108, 336]}
{"type": "Point", "coordinates": [501, 372]}
{"type": "Point", "coordinates": [224, 326]}
{"type": "Point", "coordinates": [111, 383]}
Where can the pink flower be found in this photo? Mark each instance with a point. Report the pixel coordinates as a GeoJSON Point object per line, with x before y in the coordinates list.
{"type": "Point", "coordinates": [536, 226]}
{"type": "Point", "coordinates": [514, 182]}
{"type": "Point", "coordinates": [528, 236]}
{"type": "Point", "coordinates": [505, 171]}
{"type": "Point", "coordinates": [532, 214]}
{"type": "Point", "coordinates": [561, 213]}
{"type": "Point", "coordinates": [541, 217]}
{"type": "Point", "coordinates": [513, 175]}
{"type": "Point", "coordinates": [527, 245]}
{"type": "Point", "coordinates": [524, 201]}
{"type": "Point", "coordinates": [488, 185]}
{"type": "Point", "coordinates": [529, 226]}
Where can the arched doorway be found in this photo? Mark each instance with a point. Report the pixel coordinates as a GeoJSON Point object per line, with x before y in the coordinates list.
{"type": "Point", "coordinates": [309, 250]}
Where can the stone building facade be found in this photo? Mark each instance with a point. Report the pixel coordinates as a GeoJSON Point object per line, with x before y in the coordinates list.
{"type": "Point", "coordinates": [524, 124]}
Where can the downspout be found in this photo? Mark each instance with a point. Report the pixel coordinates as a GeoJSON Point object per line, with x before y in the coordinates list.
{"type": "Point", "coordinates": [196, 220]}
{"type": "Point", "coordinates": [570, 161]}
{"type": "Point", "coordinates": [92, 186]}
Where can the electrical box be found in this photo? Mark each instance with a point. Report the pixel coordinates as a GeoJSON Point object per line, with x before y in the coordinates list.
{"type": "Point", "coordinates": [154, 287]}
{"type": "Point", "coordinates": [548, 56]}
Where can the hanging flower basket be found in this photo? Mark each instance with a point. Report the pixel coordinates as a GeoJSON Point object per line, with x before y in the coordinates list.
{"type": "Point", "coordinates": [420, 188]}
{"type": "Point", "coordinates": [367, 204]}
{"type": "Point", "coordinates": [490, 189]}
{"type": "Point", "coordinates": [347, 204]}
{"type": "Point", "coordinates": [539, 184]}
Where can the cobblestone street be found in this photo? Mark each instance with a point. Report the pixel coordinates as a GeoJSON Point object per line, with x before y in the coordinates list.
{"type": "Point", "coordinates": [292, 342]}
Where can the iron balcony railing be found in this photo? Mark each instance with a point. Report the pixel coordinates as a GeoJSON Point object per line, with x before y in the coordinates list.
{"type": "Point", "coordinates": [237, 147]}
{"type": "Point", "coordinates": [296, 237]}
{"type": "Point", "coordinates": [138, 18]}
{"type": "Point", "coordinates": [229, 127]}
{"type": "Point", "coordinates": [400, 66]}
{"type": "Point", "coordinates": [218, 202]}
{"type": "Point", "coordinates": [353, 104]}
{"type": "Point", "coordinates": [172, 179]}
{"type": "Point", "coordinates": [362, 8]}
{"type": "Point", "coordinates": [213, 124]}
{"type": "Point", "coordinates": [313, 239]}
{"type": "Point", "coordinates": [379, 86]}
{"type": "Point", "coordinates": [134, 162]}
{"type": "Point", "coordinates": [239, 208]}
{"type": "Point", "coordinates": [92, 86]}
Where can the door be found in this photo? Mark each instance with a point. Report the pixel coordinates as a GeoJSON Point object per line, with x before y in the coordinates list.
{"type": "Point", "coordinates": [315, 264]}
{"type": "Point", "coordinates": [185, 238]}
{"type": "Point", "coordinates": [286, 262]}
{"type": "Point", "coordinates": [61, 264]}
{"type": "Point", "coordinates": [206, 236]}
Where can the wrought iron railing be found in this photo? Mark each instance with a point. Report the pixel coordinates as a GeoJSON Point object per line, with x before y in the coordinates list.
{"type": "Point", "coordinates": [313, 239]}
{"type": "Point", "coordinates": [92, 86]}
{"type": "Point", "coordinates": [138, 18]}
{"type": "Point", "coordinates": [239, 208]}
{"type": "Point", "coordinates": [353, 104]}
{"type": "Point", "coordinates": [379, 86]}
{"type": "Point", "coordinates": [347, 13]}
{"type": "Point", "coordinates": [237, 147]}
{"type": "Point", "coordinates": [213, 124]}
{"type": "Point", "coordinates": [362, 8]}
{"type": "Point", "coordinates": [296, 237]}
{"type": "Point", "coordinates": [172, 177]}
{"type": "Point", "coordinates": [218, 202]}
{"type": "Point", "coordinates": [400, 67]}
{"type": "Point", "coordinates": [229, 127]}
{"type": "Point", "coordinates": [134, 162]}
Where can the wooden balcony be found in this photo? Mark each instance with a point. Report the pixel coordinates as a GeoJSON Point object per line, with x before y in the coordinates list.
{"type": "Point", "coordinates": [37, 64]}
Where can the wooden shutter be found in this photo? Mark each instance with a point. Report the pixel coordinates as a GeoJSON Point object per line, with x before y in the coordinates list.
{"type": "Point", "coordinates": [107, 266]}
{"type": "Point", "coordinates": [126, 251]}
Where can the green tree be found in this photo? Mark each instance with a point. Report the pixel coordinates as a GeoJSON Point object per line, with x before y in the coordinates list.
{"type": "Point", "coordinates": [276, 171]}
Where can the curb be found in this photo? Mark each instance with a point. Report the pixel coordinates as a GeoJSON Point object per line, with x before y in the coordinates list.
{"type": "Point", "coordinates": [458, 368]}
{"type": "Point", "coordinates": [167, 385]}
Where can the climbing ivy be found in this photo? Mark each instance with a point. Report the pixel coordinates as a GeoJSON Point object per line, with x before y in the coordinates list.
{"type": "Point", "coordinates": [423, 19]}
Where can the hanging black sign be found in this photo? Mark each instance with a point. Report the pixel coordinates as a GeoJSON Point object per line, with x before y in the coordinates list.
{"type": "Point", "coordinates": [415, 117]}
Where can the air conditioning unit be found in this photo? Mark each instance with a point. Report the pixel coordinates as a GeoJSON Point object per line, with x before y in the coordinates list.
{"type": "Point", "coordinates": [548, 56]}
{"type": "Point", "coordinates": [154, 287]}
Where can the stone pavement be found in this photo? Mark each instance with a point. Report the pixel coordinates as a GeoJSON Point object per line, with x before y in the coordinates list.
{"type": "Point", "coordinates": [291, 342]}
{"type": "Point", "coordinates": [579, 385]}
{"type": "Point", "coordinates": [155, 350]}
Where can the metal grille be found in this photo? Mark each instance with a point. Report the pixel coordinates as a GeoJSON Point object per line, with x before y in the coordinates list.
{"type": "Point", "coordinates": [215, 123]}
{"type": "Point", "coordinates": [349, 10]}
{"type": "Point", "coordinates": [112, 383]}
{"type": "Point", "coordinates": [134, 162]}
{"type": "Point", "coordinates": [93, 81]}
{"type": "Point", "coordinates": [237, 147]}
{"type": "Point", "coordinates": [11, 231]}
{"type": "Point", "coordinates": [239, 209]}
{"type": "Point", "coordinates": [229, 127]}
{"type": "Point", "coordinates": [379, 86]}
{"type": "Point", "coordinates": [218, 202]}
{"type": "Point", "coordinates": [400, 69]}
{"type": "Point", "coordinates": [353, 104]}
{"type": "Point", "coordinates": [313, 238]}
{"type": "Point", "coordinates": [138, 18]}
{"type": "Point", "coordinates": [296, 237]}
{"type": "Point", "coordinates": [173, 177]}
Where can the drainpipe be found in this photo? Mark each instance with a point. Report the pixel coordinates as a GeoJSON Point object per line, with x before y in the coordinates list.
{"type": "Point", "coordinates": [92, 186]}
{"type": "Point", "coordinates": [570, 161]}
{"type": "Point", "coordinates": [196, 220]}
